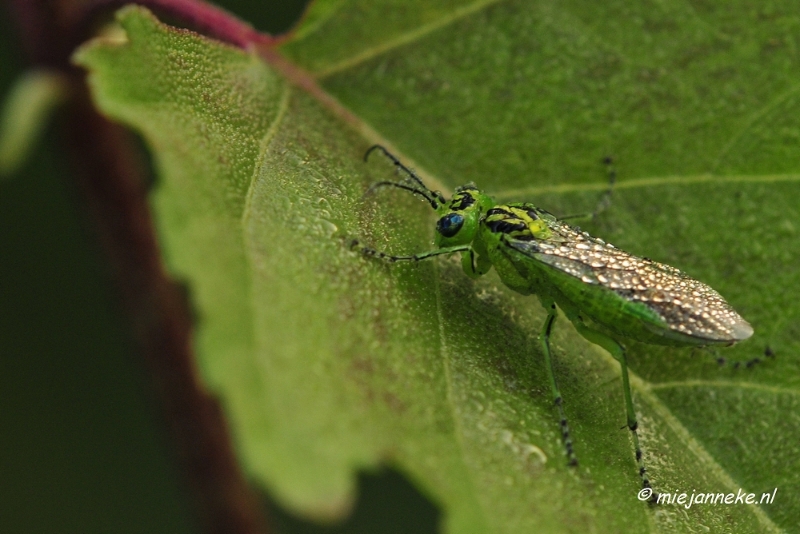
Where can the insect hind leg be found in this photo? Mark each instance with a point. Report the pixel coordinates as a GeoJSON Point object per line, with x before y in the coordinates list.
{"type": "Point", "coordinates": [737, 364]}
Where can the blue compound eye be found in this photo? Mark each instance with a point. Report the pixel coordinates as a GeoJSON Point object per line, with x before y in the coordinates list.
{"type": "Point", "coordinates": [449, 225]}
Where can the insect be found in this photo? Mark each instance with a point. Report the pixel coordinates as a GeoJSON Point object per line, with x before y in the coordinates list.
{"type": "Point", "coordinates": [607, 294]}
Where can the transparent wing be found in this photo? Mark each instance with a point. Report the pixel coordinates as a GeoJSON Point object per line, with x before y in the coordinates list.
{"type": "Point", "coordinates": [685, 304]}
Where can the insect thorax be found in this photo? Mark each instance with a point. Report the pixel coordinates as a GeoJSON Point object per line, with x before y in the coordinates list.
{"type": "Point", "coordinates": [524, 222]}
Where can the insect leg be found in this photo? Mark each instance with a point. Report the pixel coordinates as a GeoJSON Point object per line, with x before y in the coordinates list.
{"type": "Point", "coordinates": [544, 339]}
{"type": "Point", "coordinates": [605, 198]}
{"type": "Point", "coordinates": [618, 352]}
{"type": "Point", "coordinates": [367, 251]}
{"type": "Point", "coordinates": [748, 364]}
{"type": "Point", "coordinates": [474, 264]}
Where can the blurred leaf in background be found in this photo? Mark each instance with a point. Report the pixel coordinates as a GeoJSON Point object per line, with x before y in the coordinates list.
{"type": "Point", "coordinates": [81, 452]}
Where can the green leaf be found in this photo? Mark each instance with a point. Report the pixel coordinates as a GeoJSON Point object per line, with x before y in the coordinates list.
{"type": "Point", "coordinates": [328, 362]}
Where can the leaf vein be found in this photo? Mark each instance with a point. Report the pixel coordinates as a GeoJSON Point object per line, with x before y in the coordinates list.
{"type": "Point", "coordinates": [723, 384]}
{"type": "Point", "coordinates": [645, 182]}
{"type": "Point", "coordinates": [751, 122]}
{"type": "Point", "coordinates": [283, 107]}
{"type": "Point", "coordinates": [404, 38]}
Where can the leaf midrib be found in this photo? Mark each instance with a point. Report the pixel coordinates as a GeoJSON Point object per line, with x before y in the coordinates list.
{"type": "Point", "coordinates": [457, 423]}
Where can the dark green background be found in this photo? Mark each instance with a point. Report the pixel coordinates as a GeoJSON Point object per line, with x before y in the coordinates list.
{"type": "Point", "coordinates": [82, 447]}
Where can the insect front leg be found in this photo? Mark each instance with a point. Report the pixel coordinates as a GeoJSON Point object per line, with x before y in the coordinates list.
{"type": "Point", "coordinates": [355, 244]}
{"type": "Point", "coordinates": [474, 264]}
{"type": "Point", "coordinates": [618, 352]}
{"type": "Point", "coordinates": [544, 339]}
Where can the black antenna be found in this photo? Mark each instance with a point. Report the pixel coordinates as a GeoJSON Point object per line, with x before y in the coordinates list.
{"type": "Point", "coordinates": [434, 197]}
{"type": "Point", "coordinates": [424, 194]}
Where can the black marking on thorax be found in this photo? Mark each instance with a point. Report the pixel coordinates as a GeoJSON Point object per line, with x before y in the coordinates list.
{"type": "Point", "coordinates": [511, 220]}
